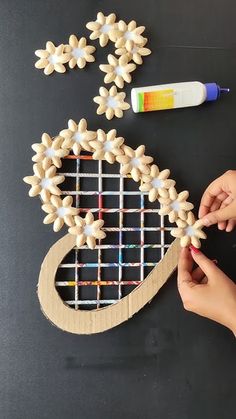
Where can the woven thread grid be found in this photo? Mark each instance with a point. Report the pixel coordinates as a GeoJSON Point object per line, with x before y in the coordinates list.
{"type": "Point", "coordinates": [121, 246]}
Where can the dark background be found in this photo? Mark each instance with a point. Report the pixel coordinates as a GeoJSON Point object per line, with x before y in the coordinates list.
{"type": "Point", "coordinates": [165, 362]}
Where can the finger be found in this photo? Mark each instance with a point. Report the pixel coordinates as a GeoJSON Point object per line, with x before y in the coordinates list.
{"type": "Point", "coordinates": [218, 201]}
{"type": "Point", "coordinates": [222, 225]}
{"type": "Point", "coordinates": [198, 275]}
{"type": "Point", "coordinates": [185, 260]}
{"type": "Point", "coordinates": [223, 214]}
{"type": "Point", "coordinates": [208, 197]}
{"type": "Point", "coordinates": [185, 266]}
{"type": "Point", "coordinates": [230, 225]}
{"type": "Point", "coordinates": [207, 265]}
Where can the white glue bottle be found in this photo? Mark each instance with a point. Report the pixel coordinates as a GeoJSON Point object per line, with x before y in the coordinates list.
{"type": "Point", "coordinates": [174, 95]}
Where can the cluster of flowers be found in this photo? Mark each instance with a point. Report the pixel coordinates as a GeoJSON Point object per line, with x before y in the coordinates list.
{"type": "Point", "coordinates": [130, 47]}
{"type": "Point", "coordinates": [109, 147]}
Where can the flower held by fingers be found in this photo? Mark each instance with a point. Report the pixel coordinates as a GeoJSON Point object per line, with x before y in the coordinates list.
{"type": "Point", "coordinates": [49, 151]}
{"type": "Point", "coordinates": [44, 182]}
{"type": "Point", "coordinates": [157, 183]}
{"type": "Point", "coordinates": [87, 230]}
{"type": "Point", "coordinates": [60, 212]}
{"type": "Point", "coordinates": [77, 136]}
{"type": "Point", "coordinates": [134, 162]}
{"type": "Point", "coordinates": [118, 70]}
{"type": "Point", "coordinates": [107, 146]}
{"type": "Point", "coordinates": [189, 231]}
{"type": "Point", "coordinates": [52, 58]}
{"type": "Point", "coordinates": [111, 102]}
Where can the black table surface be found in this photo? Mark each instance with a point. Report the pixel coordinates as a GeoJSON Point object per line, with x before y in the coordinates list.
{"type": "Point", "coordinates": [165, 362]}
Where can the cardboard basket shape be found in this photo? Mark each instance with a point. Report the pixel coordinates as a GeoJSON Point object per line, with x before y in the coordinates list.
{"type": "Point", "coordinates": [97, 314]}
{"type": "Point", "coordinates": [101, 319]}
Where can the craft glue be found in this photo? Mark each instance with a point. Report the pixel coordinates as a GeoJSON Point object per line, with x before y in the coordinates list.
{"type": "Point", "coordinates": [174, 95]}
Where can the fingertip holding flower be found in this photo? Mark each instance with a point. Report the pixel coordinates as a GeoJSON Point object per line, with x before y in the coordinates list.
{"type": "Point", "coordinates": [189, 231]}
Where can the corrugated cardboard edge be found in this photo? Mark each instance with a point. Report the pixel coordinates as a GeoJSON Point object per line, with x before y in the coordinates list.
{"type": "Point", "coordinates": [99, 320]}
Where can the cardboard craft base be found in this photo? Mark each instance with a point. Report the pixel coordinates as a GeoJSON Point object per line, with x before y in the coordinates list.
{"type": "Point", "coordinates": [101, 319]}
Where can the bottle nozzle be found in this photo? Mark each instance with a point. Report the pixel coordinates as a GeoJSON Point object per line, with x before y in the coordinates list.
{"type": "Point", "coordinates": [224, 90]}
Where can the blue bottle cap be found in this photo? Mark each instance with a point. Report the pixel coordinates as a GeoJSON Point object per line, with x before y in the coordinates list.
{"type": "Point", "coordinates": [213, 91]}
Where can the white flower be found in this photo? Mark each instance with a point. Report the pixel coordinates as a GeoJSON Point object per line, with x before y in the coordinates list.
{"type": "Point", "coordinates": [60, 212]}
{"type": "Point", "coordinates": [77, 136]}
{"type": "Point", "coordinates": [129, 32]}
{"type": "Point", "coordinates": [52, 58]}
{"type": "Point", "coordinates": [157, 183]}
{"type": "Point", "coordinates": [176, 206]}
{"type": "Point", "coordinates": [118, 70]}
{"type": "Point", "coordinates": [104, 28]}
{"type": "Point", "coordinates": [87, 230]}
{"type": "Point", "coordinates": [80, 52]}
{"type": "Point", "coordinates": [107, 146]}
{"type": "Point", "coordinates": [134, 51]}
{"type": "Point", "coordinates": [49, 151]}
{"type": "Point", "coordinates": [44, 182]}
{"type": "Point", "coordinates": [189, 231]}
{"type": "Point", "coordinates": [134, 162]}
{"type": "Point", "coordinates": [111, 102]}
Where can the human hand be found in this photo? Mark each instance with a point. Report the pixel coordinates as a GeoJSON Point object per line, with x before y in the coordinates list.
{"type": "Point", "coordinates": [206, 290]}
{"type": "Point", "coordinates": [218, 203]}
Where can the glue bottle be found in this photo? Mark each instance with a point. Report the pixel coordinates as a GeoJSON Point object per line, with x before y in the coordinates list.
{"type": "Point", "coordinates": [174, 95]}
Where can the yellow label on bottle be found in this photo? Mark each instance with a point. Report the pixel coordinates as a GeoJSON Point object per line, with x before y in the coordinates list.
{"type": "Point", "coordinates": [155, 101]}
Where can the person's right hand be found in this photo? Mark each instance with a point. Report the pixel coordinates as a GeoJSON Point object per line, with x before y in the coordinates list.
{"type": "Point", "coordinates": [218, 203]}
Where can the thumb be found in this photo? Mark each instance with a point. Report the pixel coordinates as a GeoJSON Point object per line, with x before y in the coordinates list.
{"type": "Point", "coordinates": [223, 214]}
{"type": "Point", "coordinates": [206, 265]}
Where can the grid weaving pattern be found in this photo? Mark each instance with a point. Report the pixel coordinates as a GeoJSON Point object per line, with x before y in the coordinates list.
{"type": "Point", "coordinates": [136, 236]}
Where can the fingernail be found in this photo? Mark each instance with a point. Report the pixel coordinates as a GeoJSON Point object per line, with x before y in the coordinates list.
{"type": "Point", "coordinates": [206, 222]}
{"type": "Point", "coordinates": [194, 249]}
{"type": "Point", "coordinates": [215, 261]}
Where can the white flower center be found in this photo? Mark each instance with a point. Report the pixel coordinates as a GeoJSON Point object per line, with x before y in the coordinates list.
{"type": "Point", "coordinates": [175, 206]}
{"type": "Point", "coordinates": [49, 152]}
{"type": "Point", "coordinates": [111, 102]}
{"type": "Point", "coordinates": [45, 183]}
{"type": "Point", "coordinates": [190, 231]}
{"type": "Point", "coordinates": [78, 137]}
{"type": "Point", "coordinates": [53, 59]}
{"type": "Point", "coordinates": [105, 28]}
{"type": "Point", "coordinates": [134, 50]}
{"type": "Point", "coordinates": [128, 35]}
{"type": "Point", "coordinates": [119, 70]}
{"type": "Point", "coordinates": [62, 211]}
{"type": "Point", "coordinates": [88, 230]}
{"type": "Point", "coordinates": [135, 162]}
{"type": "Point", "coordinates": [108, 146]}
{"type": "Point", "coordinates": [78, 53]}
{"type": "Point", "coordinates": [157, 183]}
